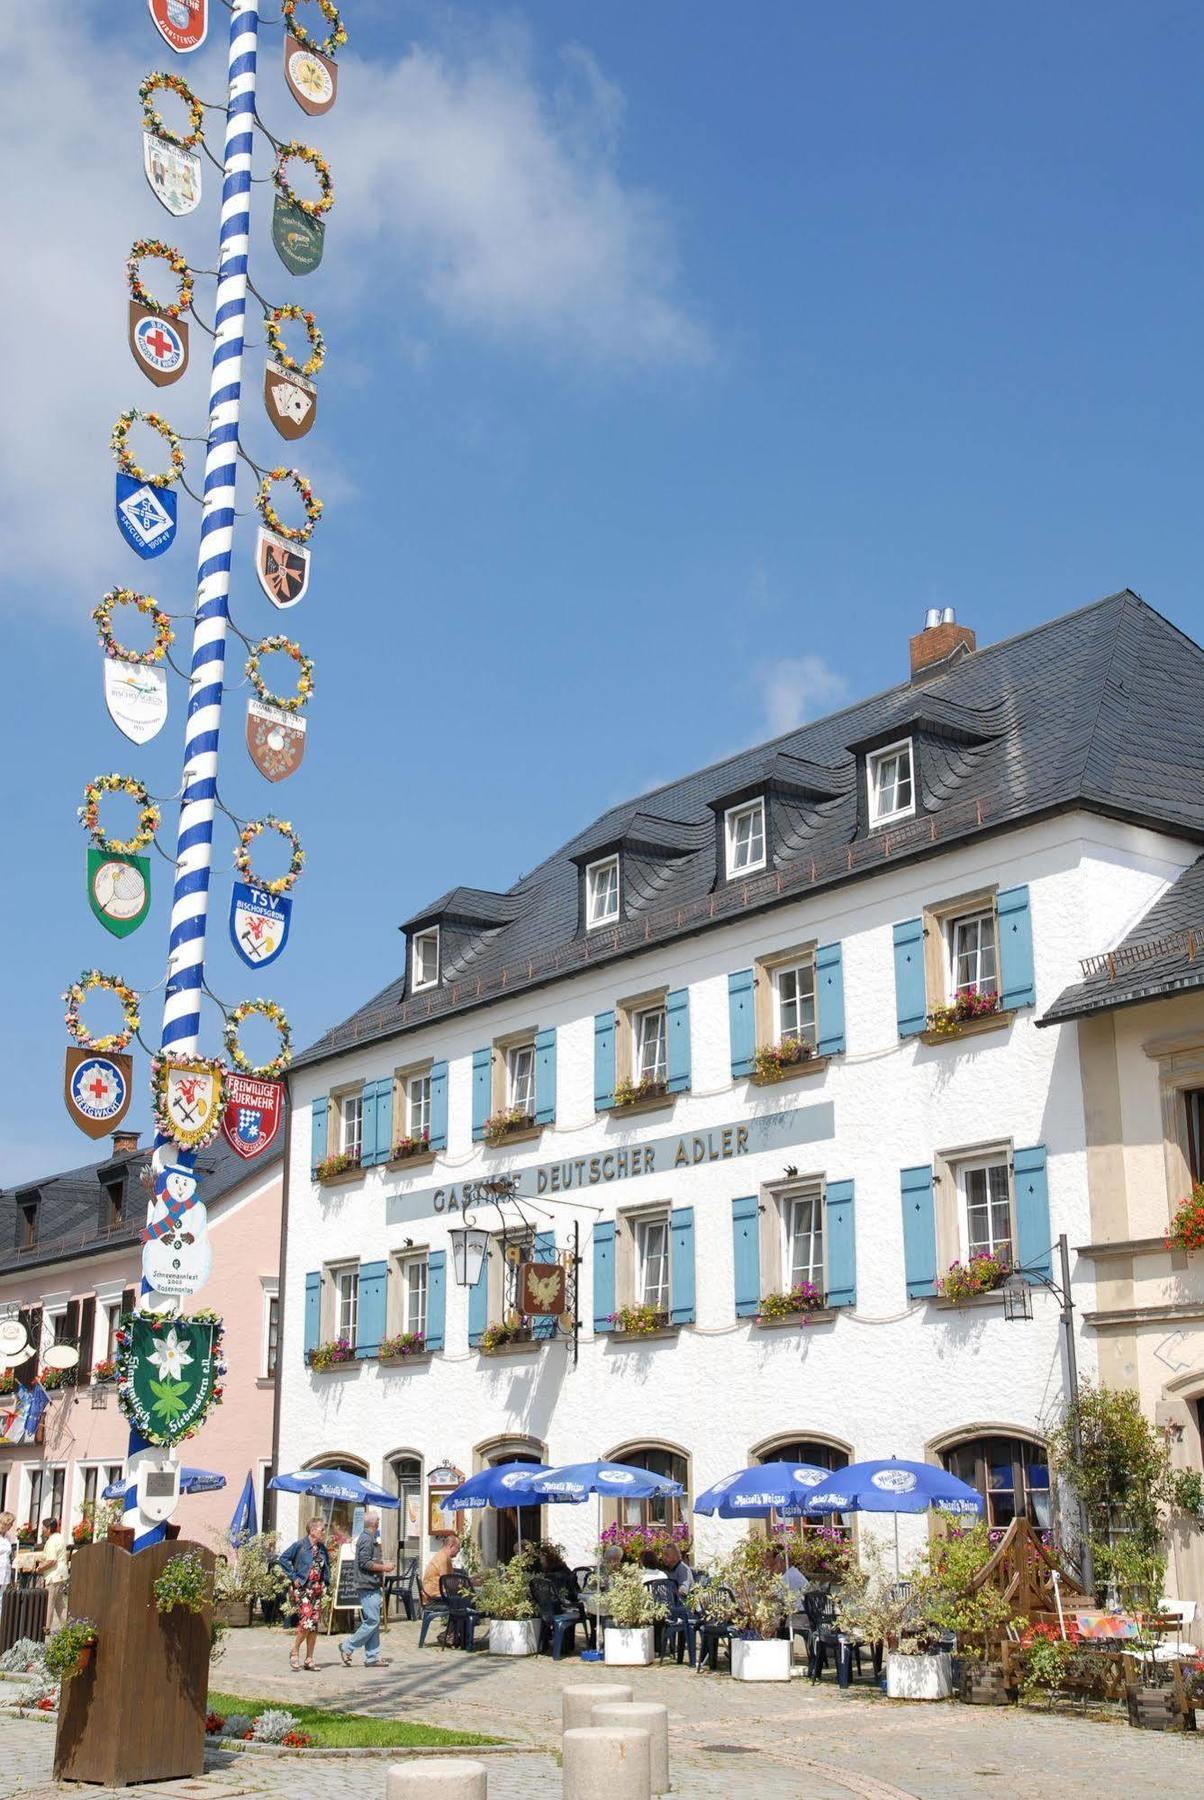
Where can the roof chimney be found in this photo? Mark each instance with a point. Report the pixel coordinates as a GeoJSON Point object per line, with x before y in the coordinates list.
{"type": "Point", "coordinates": [124, 1143]}
{"type": "Point", "coordinates": [942, 642]}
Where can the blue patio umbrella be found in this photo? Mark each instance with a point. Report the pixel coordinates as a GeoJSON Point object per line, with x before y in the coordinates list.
{"type": "Point", "coordinates": [779, 1487]}
{"type": "Point", "coordinates": [505, 1485]}
{"type": "Point", "coordinates": [894, 1486]}
{"type": "Point", "coordinates": [576, 1481]}
{"type": "Point", "coordinates": [245, 1522]}
{"type": "Point", "coordinates": [192, 1481]}
{"type": "Point", "coordinates": [334, 1484]}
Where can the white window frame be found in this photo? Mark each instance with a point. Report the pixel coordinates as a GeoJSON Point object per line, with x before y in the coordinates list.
{"type": "Point", "coordinates": [804, 966]}
{"type": "Point", "coordinates": [873, 763]}
{"type": "Point", "coordinates": [962, 1169]}
{"type": "Point", "coordinates": [641, 1225]}
{"type": "Point", "coordinates": [418, 1114]}
{"type": "Point", "coordinates": [979, 916]}
{"type": "Point", "coordinates": [418, 980]}
{"type": "Point", "coordinates": [638, 1027]}
{"type": "Point", "coordinates": [351, 1143]}
{"type": "Point", "coordinates": [339, 1274]}
{"type": "Point", "coordinates": [79, 1496]}
{"type": "Point", "coordinates": [595, 874]}
{"type": "Point", "coordinates": [731, 820]}
{"type": "Point", "coordinates": [413, 1319]}
{"type": "Point", "coordinates": [271, 1293]}
{"type": "Point", "coordinates": [787, 1203]}
{"type": "Point", "coordinates": [114, 1472]}
{"type": "Point", "coordinates": [516, 1056]}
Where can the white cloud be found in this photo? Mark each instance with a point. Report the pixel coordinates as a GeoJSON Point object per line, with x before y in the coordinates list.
{"type": "Point", "coordinates": [798, 688]}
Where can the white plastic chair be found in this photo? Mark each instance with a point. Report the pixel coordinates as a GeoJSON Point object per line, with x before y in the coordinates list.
{"type": "Point", "coordinates": [1174, 1648]}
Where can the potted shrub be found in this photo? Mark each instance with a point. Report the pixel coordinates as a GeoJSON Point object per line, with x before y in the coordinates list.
{"type": "Point", "coordinates": [339, 1162]}
{"type": "Point", "coordinates": [1187, 1227]}
{"type": "Point", "coordinates": [504, 1595]}
{"type": "Point", "coordinates": [755, 1617]}
{"type": "Point", "coordinates": [772, 1061]}
{"type": "Point", "coordinates": [638, 1321]}
{"type": "Point", "coordinates": [631, 1613]}
{"type": "Point", "coordinates": [410, 1146]}
{"type": "Point", "coordinates": [69, 1650]}
{"type": "Point", "coordinates": [978, 1616]}
{"type": "Point", "coordinates": [251, 1577]}
{"type": "Point", "coordinates": [795, 1303]}
{"type": "Point", "coordinates": [405, 1343]}
{"type": "Point", "coordinates": [502, 1125]}
{"type": "Point", "coordinates": [981, 1275]}
{"type": "Point", "coordinates": [974, 1003]}
{"type": "Point", "coordinates": [331, 1354]}
{"type": "Point", "coordinates": [881, 1608]}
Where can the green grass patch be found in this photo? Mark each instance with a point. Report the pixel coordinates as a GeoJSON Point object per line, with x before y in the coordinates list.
{"type": "Point", "coordinates": [350, 1731]}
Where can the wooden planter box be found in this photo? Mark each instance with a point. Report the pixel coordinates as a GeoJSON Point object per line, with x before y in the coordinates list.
{"type": "Point", "coordinates": [982, 1684]}
{"type": "Point", "coordinates": [1158, 1709]}
{"type": "Point", "coordinates": [810, 1065]}
{"type": "Point", "coordinates": [234, 1615]}
{"type": "Point", "coordinates": [818, 1315]}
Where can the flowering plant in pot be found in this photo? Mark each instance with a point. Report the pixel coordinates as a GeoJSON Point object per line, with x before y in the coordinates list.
{"type": "Point", "coordinates": [56, 1378]}
{"type": "Point", "coordinates": [972, 1003]}
{"type": "Point", "coordinates": [504, 1595]}
{"type": "Point", "coordinates": [105, 1369]}
{"type": "Point", "coordinates": [634, 1540]}
{"type": "Point", "coordinates": [803, 1298]}
{"type": "Point", "coordinates": [339, 1162]}
{"type": "Point", "coordinates": [630, 1093]}
{"type": "Point", "coordinates": [638, 1321]}
{"type": "Point", "coordinates": [631, 1614]}
{"type": "Point", "coordinates": [410, 1146]}
{"type": "Point", "coordinates": [772, 1061]}
{"type": "Point", "coordinates": [404, 1343]}
{"type": "Point", "coordinates": [823, 1553]}
{"type": "Point", "coordinates": [1187, 1227]}
{"type": "Point", "coordinates": [328, 1355]}
{"type": "Point", "coordinates": [982, 1274]}
{"type": "Point", "coordinates": [755, 1612]}
{"type": "Point", "coordinates": [27, 1534]}
{"type": "Point", "coordinates": [183, 1582]}
{"type": "Point", "coordinates": [68, 1650]}
{"type": "Point", "coordinates": [499, 1126]}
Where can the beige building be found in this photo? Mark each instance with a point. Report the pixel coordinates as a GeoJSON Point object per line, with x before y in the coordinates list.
{"type": "Point", "coordinates": [1140, 1015]}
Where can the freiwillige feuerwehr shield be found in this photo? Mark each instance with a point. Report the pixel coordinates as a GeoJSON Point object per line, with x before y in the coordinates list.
{"type": "Point", "coordinates": [254, 1110]}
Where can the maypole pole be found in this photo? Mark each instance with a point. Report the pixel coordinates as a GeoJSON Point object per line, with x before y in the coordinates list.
{"type": "Point", "coordinates": [194, 842]}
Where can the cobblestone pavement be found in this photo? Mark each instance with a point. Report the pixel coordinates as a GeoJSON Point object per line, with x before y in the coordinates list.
{"type": "Point", "coordinates": [726, 1737]}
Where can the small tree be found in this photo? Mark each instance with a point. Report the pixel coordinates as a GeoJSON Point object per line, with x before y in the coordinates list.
{"type": "Point", "coordinates": [759, 1595]}
{"type": "Point", "coordinates": [1118, 1465]}
{"type": "Point", "coordinates": [947, 1591]}
{"type": "Point", "coordinates": [503, 1592]}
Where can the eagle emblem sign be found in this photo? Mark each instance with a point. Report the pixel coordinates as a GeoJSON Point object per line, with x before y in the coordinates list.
{"type": "Point", "coordinates": [541, 1289]}
{"type": "Point", "coordinates": [167, 1374]}
{"type": "Point", "coordinates": [189, 1095]}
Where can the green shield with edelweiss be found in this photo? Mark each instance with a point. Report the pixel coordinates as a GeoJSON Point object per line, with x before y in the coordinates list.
{"type": "Point", "coordinates": [168, 1373]}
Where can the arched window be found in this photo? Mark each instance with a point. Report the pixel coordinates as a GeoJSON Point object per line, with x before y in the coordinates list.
{"type": "Point", "coordinates": [659, 1459]}
{"type": "Point", "coordinates": [1011, 1474]}
{"type": "Point", "coordinates": [500, 1530]}
{"type": "Point", "coordinates": [819, 1455]}
{"type": "Point", "coordinates": [401, 1531]}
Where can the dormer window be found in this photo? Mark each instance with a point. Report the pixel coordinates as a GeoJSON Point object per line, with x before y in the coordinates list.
{"type": "Point", "coordinates": [891, 783]}
{"type": "Point", "coordinates": [602, 892]}
{"type": "Point", "coordinates": [424, 972]}
{"type": "Point", "coordinates": [744, 836]}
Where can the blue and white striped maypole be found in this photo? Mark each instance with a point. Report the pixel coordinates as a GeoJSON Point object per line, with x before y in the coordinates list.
{"type": "Point", "coordinates": [194, 842]}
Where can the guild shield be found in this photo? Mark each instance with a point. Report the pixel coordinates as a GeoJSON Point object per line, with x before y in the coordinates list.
{"type": "Point", "coordinates": [97, 1089]}
{"type": "Point", "coordinates": [159, 345]}
{"type": "Point", "coordinates": [174, 174]}
{"type": "Point", "coordinates": [146, 516]}
{"type": "Point", "coordinates": [282, 568]}
{"type": "Point", "coordinates": [275, 739]}
{"type": "Point", "coordinates": [136, 696]}
{"type": "Point", "coordinates": [313, 79]}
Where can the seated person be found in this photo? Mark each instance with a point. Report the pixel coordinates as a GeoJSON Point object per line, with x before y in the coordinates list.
{"type": "Point", "coordinates": [677, 1570]}
{"type": "Point", "coordinates": [650, 1568]}
{"type": "Point", "coordinates": [553, 1565]}
{"type": "Point", "coordinates": [441, 1563]}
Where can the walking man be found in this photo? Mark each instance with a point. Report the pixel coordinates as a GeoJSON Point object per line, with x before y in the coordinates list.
{"type": "Point", "coordinates": [368, 1571]}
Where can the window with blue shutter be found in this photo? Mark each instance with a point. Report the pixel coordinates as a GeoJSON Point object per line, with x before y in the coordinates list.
{"type": "Point", "coordinates": [1017, 986]}
{"type": "Point", "coordinates": [841, 1244]}
{"type": "Point", "coordinates": [919, 1231]}
{"type": "Point", "coordinates": [436, 1299]}
{"type": "Point", "coordinates": [1033, 1230]}
{"type": "Point", "coordinates": [439, 1106]}
{"type": "Point", "coordinates": [545, 1076]}
{"type": "Point", "coordinates": [313, 1308]}
{"type": "Point", "coordinates": [478, 1303]}
{"type": "Point", "coordinates": [318, 1119]}
{"type": "Point", "coordinates": [681, 1265]}
{"type": "Point", "coordinates": [829, 1000]}
{"type": "Point", "coordinates": [677, 1009]}
{"type": "Point", "coordinates": [911, 1001]}
{"type": "Point", "coordinates": [543, 1325]}
{"type": "Point", "coordinates": [604, 1063]}
{"type": "Point", "coordinates": [604, 1274]}
{"type": "Point", "coordinates": [746, 1255]}
{"type": "Point", "coordinates": [370, 1317]}
{"type": "Point", "coordinates": [377, 1122]}
{"type": "Point", "coordinates": [742, 1027]}
{"type": "Point", "coordinates": [482, 1088]}
{"type": "Point", "coordinates": [368, 1125]}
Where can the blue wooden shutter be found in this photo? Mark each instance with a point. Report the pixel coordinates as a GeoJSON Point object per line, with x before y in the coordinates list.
{"type": "Point", "coordinates": [543, 1325]}
{"type": "Point", "coordinates": [841, 1247]}
{"type": "Point", "coordinates": [439, 1106]}
{"type": "Point", "coordinates": [746, 1255]}
{"type": "Point", "coordinates": [742, 1026]}
{"type": "Point", "coordinates": [318, 1116]}
{"type": "Point", "coordinates": [829, 1000]}
{"type": "Point", "coordinates": [1015, 948]}
{"type": "Point", "coordinates": [919, 1231]}
{"type": "Point", "coordinates": [678, 1021]}
{"type": "Point", "coordinates": [545, 1076]}
{"type": "Point", "coordinates": [681, 1265]}
{"type": "Point", "coordinates": [478, 1302]}
{"type": "Point", "coordinates": [482, 1083]}
{"type": "Point", "coordinates": [436, 1299]}
{"type": "Point", "coordinates": [370, 1313]}
{"type": "Point", "coordinates": [604, 1274]}
{"type": "Point", "coordinates": [604, 1063]}
{"type": "Point", "coordinates": [378, 1122]}
{"type": "Point", "coordinates": [313, 1308]}
{"type": "Point", "coordinates": [1032, 1211]}
{"type": "Point", "coordinates": [911, 1004]}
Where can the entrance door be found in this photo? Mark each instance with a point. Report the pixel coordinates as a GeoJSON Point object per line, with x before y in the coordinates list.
{"type": "Point", "coordinates": [407, 1484]}
{"type": "Point", "coordinates": [511, 1521]}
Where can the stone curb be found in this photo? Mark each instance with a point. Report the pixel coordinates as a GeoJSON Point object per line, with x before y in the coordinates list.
{"type": "Point", "coordinates": [396, 1752]}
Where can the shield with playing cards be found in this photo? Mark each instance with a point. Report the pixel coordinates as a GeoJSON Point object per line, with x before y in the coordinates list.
{"type": "Point", "coordinates": [259, 924]}
{"type": "Point", "coordinates": [174, 174]}
{"type": "Point", "coordinates": [275, 739]}
{"type": "Point", "coordinates": [292, 402]}
{"type": "Point", "coordinates": [146, 516]}
{"type": "Point", "coordinates": [188, 1100]}
{"type": "Point", "coordinates": [282, 568]}
{"type": "Point", "coordinates": [159, 345]}
{"type": "Point", "coordinates": [254, 1110]}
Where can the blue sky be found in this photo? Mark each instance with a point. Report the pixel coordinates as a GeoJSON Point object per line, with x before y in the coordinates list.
{"type": "Point", "coordinates": [679, 358]}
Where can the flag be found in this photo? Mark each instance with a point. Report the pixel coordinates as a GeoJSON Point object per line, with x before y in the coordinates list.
{"type": "Point", "coordinates": [244, 1524]}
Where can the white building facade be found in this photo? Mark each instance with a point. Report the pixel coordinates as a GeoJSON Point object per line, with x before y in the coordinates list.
{"type": "Point", "coordinates": [622, 1059]}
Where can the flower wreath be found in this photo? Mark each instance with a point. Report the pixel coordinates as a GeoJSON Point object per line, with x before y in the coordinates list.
{"type": "Point", "coordinates": [317, 343]}
{"type": "Point", "coordinates": [291, 703]}
{"type": "Point", "coordinates": [242, 856]}
{"type": "Point", "coordinates": [153, 120]}
{"type": "Point", "coordinates": [123, 1339]}
{"type": "Point", "coordinates": [102, 618]}
{"type": "Point", "coordinates": [175, 262]}
{"type": "Point", "coordinates": [112, 984]}
{"type": "Point", "coordinates": [321, 168]}
{"type": "Point", "coordinates": [296, 534]}
{"type": "Point", "coordinates": [335, 38]}
{"type": "Point", "coordinates": [269, 1071]}
{"type": "Point", "coordinates": [148, 818]}
{"type": "Point", "coordinates": [125, 462]}
{"type": "Point", "coordinates": [160, 1065]}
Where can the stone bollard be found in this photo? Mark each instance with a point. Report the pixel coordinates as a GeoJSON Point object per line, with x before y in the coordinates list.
{"type": "Point", "coordinates": [607, 1763]}
{"type": "Point", "coordinates": [437, 1778]}
{"type": "Point", "coordinates": [642, 1715]}
{"type": "Point", "coordinates": [577, 1703]}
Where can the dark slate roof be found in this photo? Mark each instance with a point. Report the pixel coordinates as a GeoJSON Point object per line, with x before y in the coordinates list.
{"type": "Point", "coordinates": [69, 1204]}
{"type": "Point", "coordinates": [1072, 713]}
{"type": "Point", "coordinates": [1163, 954]}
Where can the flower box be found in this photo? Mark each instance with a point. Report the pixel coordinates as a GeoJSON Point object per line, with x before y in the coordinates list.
{"type": "Point", "coordinates": [513, 1637]}
{"type": "Point", "coordinates": [502, 1128]}
{"type": "Point", "coordinates": [627, 1646]}
{"type": "Point", "coordinates": [795, 1303]}
{"type": "Point", "coordinates": [338, 1167]}
{"type": "Point", "coordinates": [640, 1096]}
{"type": "Point", "coordinates": [771, 1062]}
{"type": "Point", "coordinates": [411, 1149]}
{"type": "Point", "coordinates": [819, 1315]}
{"type": "Point", "coordinates": [919, 1677]}
{"type": "Point", "coordinates": [968, 1015]}
{"type": "Point", "coordinates": [402, 1348]}
{"type": "Point", "coordinates": [971, 1280]}
{"type": "Point", "coordinates": [762, 1659]}
{"type": "Point", "coordinates": [105, 1370]}
{"type": "Point", "coordinates": [496, 1340]}
{"type": "Point", "coordinates": [1187, 1227]}
{"type": "Point", "coordinates": [640, 1322]}
{"type": "Point", "coordinates": [336, 1355]}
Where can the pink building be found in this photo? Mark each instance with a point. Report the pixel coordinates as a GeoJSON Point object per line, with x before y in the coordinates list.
{"type": "Point", "coordinates": [70, 1263]}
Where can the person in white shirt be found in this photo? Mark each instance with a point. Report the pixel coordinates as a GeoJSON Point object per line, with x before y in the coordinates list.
{"type": "Point", "coordinates": [52, 1567]}
{"type": "Point", "coordinates": [7, 1521]}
